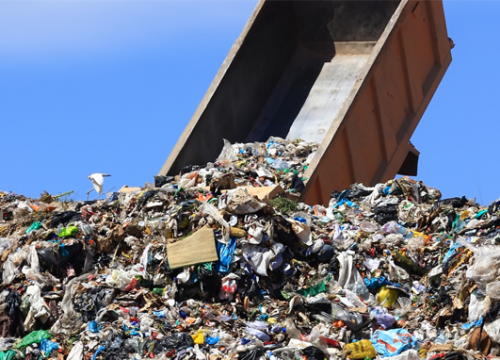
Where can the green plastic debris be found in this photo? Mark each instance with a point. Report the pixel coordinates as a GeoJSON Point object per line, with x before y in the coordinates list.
{"type": "Point", "coordinates": [408, 264]}
{"type": "Point", "coordinates": [35, 226]}
{"type": "Point", "coordinates": [313, 290]}
{"type": "Point", "coordinates": [69, 231]}
{"type": "Point", "coordinates": [159, 291]}
{"type": "Point", "coordinates": [34, 337]}
{"type": "Point", "coordinates": [479, 214]}
{"type": "Point", "coordinates": [286, 295]}
{"type": "Point", "coordinates": [339, 216]}
{"type": "Point", "coordinates": [7, 355]}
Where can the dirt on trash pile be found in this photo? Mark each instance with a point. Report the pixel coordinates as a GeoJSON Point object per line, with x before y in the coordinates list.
{"type": "Point", "coordinates": [222, 262]}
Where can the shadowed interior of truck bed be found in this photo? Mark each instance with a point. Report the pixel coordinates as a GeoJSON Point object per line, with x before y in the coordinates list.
{"type": "Point", "coordinates": [335, 40]}
{"type": "Point", "coordinates": [290, 75]}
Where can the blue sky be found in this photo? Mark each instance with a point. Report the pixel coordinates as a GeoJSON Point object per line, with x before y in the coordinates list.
{"type": "Point", "coordinates": [108, 86]}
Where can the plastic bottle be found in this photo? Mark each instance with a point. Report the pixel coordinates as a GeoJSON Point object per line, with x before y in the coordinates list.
{"type": "Point", "coordinates": [270, 355]}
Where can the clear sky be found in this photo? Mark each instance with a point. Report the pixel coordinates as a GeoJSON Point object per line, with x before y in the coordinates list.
{"type": "Point", "coordinates": [108, 86]}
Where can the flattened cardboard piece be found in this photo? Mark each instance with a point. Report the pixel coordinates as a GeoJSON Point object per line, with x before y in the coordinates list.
{"type": "Point", "coordinates": [126, 189]}
{"type": "Point", "coordinates": [441, 348]}
{"type": "Point", "coordinates": [195, 249]}
{"type": "Point", "coordinates": [264, 192]}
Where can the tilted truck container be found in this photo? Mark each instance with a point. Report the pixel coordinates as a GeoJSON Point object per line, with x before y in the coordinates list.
{"type": "Point", "coordinates": [355, 76]}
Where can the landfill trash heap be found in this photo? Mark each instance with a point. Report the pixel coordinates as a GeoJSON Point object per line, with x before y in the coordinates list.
{"type": "Point", "coordinates": [223, 262]}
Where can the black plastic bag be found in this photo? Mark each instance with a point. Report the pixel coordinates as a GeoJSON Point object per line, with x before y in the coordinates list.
{"type": "Point", "coordinates": [386, 213]}
{"type": "Point", "coordinates": [253, 290]}
{"type": "Point", "coordinates": [13, 301]}
{"type": "Point", "coordinates": [145, 197]}
{"type": "Point", "coordinates": [297, 183]}
{"type": "Point", "coordinates": [65, 217]}
{"type": "Point", "coordinates": [321, 305]}
{"type": "Point", "coordinates": [456, 202]}
{"type": "Point", "coordinates": [325, 254]}
{"type": "Point", "coordinates": [53, 261]}
{"type": "Point", "coordinates": [284, 231]}
{"type": "Point", "coordinates": [254, 354]}
{"type": "Point", "coordinates": [313, 353]}
{"type": "Point", "coordinates": [119, 353]}
{"type": "Point", "coordinates": [175, 341]}
{"type": "Point", "coordinates": [161, 180]}
{"type": "Point", "coordinates": [361, 193]}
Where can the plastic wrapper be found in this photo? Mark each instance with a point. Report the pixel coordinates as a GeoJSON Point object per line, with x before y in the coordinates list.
{"type": "Point", "coordinates": [291, 329]}
{"type": "Point", "coordinates": [404, 306]}
{"type": "Point", "coordinates": [383, 317]}
{"type": "Point", "coordinates": [354, 321]}
{"type": "Point", "coordinates": [392, 342]}
{"type": "Point", "coordinates": [397, 273]}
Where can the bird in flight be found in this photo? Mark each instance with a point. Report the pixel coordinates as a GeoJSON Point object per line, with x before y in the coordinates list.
{"type": "Point", "coordinates": [97, 180]}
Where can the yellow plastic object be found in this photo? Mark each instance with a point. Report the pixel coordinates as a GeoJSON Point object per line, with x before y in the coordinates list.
{"type": "Point", "coordinates": [199, 337]}
{"type": "Point", "coordinates": [359, 350]}
{"type": "Point", "coordinates": [387, 297]}
{"type": "Point", "coordinates": [272, 321]}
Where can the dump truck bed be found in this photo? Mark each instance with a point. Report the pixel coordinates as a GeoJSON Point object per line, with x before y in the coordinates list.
{"type": "Point", "coordinates": [354, 76]}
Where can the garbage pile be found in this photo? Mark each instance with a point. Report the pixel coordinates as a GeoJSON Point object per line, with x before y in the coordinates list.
{"type": "Point", "coordinates": [223, 262]}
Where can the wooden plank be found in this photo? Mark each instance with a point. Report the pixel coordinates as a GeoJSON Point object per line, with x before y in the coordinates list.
{"type": "Point", "coordinates": [195, 249]}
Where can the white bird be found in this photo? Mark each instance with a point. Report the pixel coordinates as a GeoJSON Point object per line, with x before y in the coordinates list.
{"type": "Point", "coordinates": [97, 180]}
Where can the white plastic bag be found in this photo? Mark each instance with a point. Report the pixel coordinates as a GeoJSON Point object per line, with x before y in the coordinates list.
{"type": "Point", "coordinates": [349, 277]}
{"type": "Point", "coordinates": [493, 330]}
{"type": "Point", "coordinates": [258, 258]}
{"type": "Point", "coordinates": [212, 211]}
{"type": "Point", "coordinates": [70, 320]}
{"type": "Point", "coordinates": [228, 152]}
{"type": "Point", "coordinates": [476, 307]}
{"type": "Point", "coordinates": [76, 352]}
{"type": "Point", "coordinates": [11, 265]}
{"type": "Point", "coordinates": [486, 264]}
{"type": "Point", "coordinates": [406, 355]}
{"type": "Point", "coordinates": [493, 290]}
